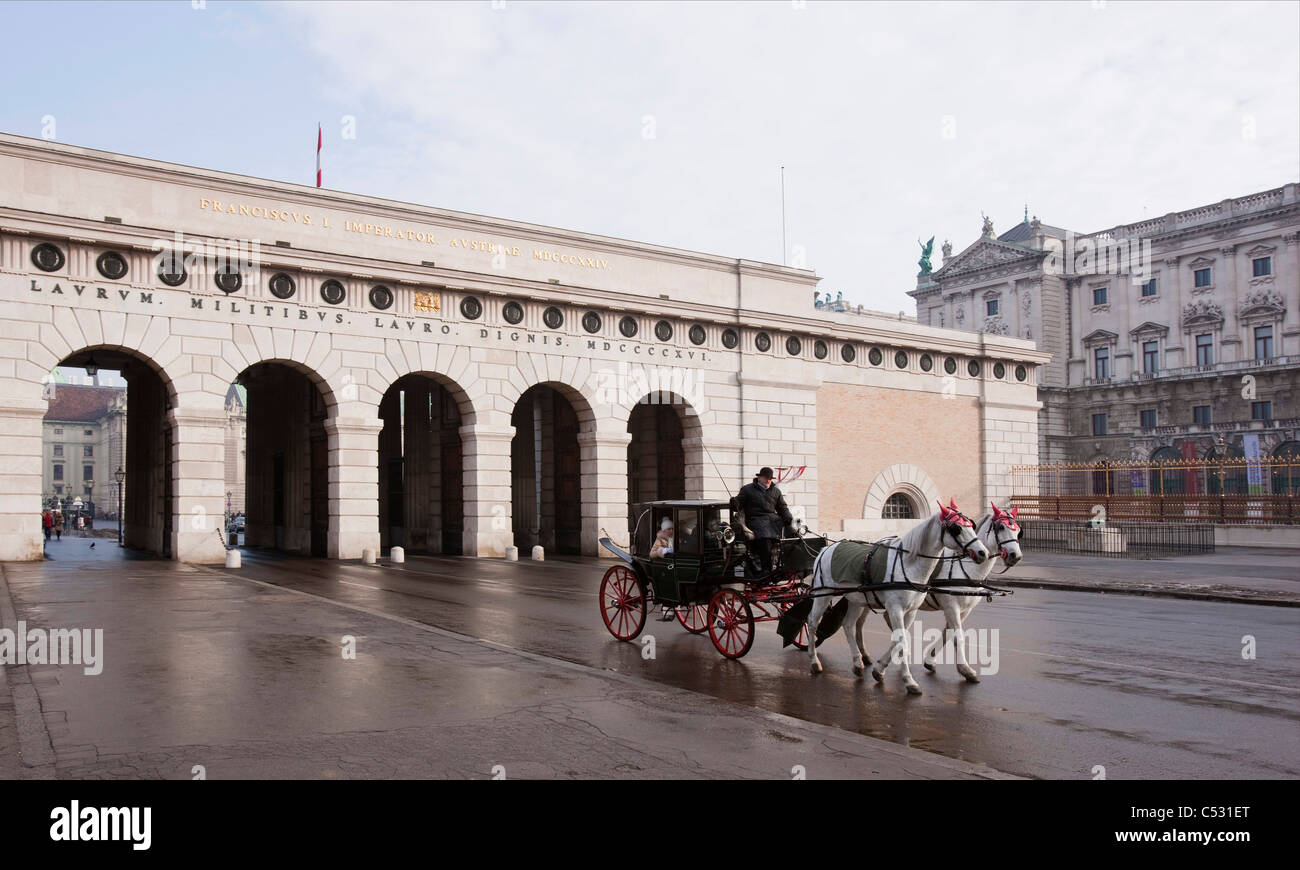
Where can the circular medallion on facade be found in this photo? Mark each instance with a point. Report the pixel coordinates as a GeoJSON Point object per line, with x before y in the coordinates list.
{"type": "Point", "coordinates": [627, 326]}
{"type": "Point", "coordinates": [763, 342]}
{"type": "Point", "coordinates": [513, 312]}
{"type": "Point", "coordinates": [1021, 373]}
{"type": "Point", "coordinates": [171, 269]}
{"type": "Point", "coordinates": [875, 357]}
{"type": "Point", "coordinates": [999, 371]}
{"type": "Point", "coordinates": [591, 321]}
{"type": "Point", "coordinates": [332, 292]}
{"type": "Point", "coordinates": [381, 297]}
{"type": "Point", "coordinates": [900, 359]}
{"type": "Point", "coordinates": [950, 366]}
{"type": "Point", "coordinates": [281, 286]}
{"type": "Point", "coordinates": [111, 265]}
{"type": "Point", "coordinates": [793, 345]}
{"type": "Point", "coordinates": [974, 368]}
{"type": "Point", "coordinates": [698, 335]}
{"type": "Point", "coordinates": [664, 331]}
{"type": "Point", "coordinates": [47, 257]}
{"type": "Point", "coordinates": [819, 349]}
{"type": "Point", "coordinates": [227, 278]}
{"type": "Point", "coordinates": [553, 317]}
{"type": "Point", "coordinates": [471, 308]}
{"type": "Point", "coordinates": [730, 338]}
{"type": "Point", "coordinates": [927, 362]}
{"type": "Point", "coordinates": [848, 353]}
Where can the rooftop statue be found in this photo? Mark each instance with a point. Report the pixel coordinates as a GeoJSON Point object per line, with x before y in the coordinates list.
{"type": "Point", "coordinates": [926, 249]}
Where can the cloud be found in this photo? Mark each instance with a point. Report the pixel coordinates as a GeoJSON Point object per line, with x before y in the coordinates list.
{"type": "Point", "coordinates": [541, 112]}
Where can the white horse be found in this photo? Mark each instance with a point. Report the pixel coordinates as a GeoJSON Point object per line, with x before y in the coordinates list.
{"type": "Point", "coordinates": [1000, 533]}
{"type": "Point", "coordinates": [911, 558]}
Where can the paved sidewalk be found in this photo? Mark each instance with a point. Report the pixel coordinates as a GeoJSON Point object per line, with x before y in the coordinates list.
{"type": "Point", "coordinates": [1254, 575]}
{"type": "Point", "coordinates": [248, 680]}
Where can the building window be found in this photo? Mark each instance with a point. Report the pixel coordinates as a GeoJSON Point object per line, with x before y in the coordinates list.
{"type": "Point", "coordinates": [1261, 410]}
{"type": "Point", "coordinates": [1098, 424]}
{"type": "Point", "coordinates": [87, 472]}
{"type": "Point", "coordinates": [898, 507]}
{"type": "Point", "coordinates": [88, 450]}
{"type": "Point", "coordinates": [58, 472]}
{"type": "Point", "coordinates": [1263, 266]}
{"type": "Point", "coordinates": [58, 431]}
{"type": "Point", "coordinates": [1098, 295]}
{"type": "Point", "coordinates": [1202, 277]}
{"type": "Point", "coordinates": [1151, 357]}
{"type": "Point", "coordinates": [991, 307]}
{"type": "Point", "coordinates": [1201, 415]}
{"type": "Point", "coordinates": [1263, 342]}
{"type": "Point", "coordinates": [88, 432]}
{"type": "Point", "coordinates": [58, 449]}
{"type": "Point", "coordinates": [1205, 349]}
{"type": "Point", "coordinates": [1149, 418]}
{"type": "Point", "coordinates": [1101, 363]}
{"type": "Point", "coordinates": [1149, 287]}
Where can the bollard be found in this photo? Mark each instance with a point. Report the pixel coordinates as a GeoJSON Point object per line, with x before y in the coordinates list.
{"type": "Point", "coordinates": [232, 559]}
{"type": "Point", "coordinates": [368, 556]}
{"type": "Point", "coordinates": [512, 554]}
{"type": "Point", "coordinates": [398, 555]}
{"type": "Point", "coordinates": [539, 555]}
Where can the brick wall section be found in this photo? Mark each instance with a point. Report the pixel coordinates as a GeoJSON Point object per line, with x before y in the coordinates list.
{"type": "Point", "coordinates": [863, 430]}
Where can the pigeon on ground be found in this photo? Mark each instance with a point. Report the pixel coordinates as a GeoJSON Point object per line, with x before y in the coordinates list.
{"type": "Point", "coordinates": [92, 546]}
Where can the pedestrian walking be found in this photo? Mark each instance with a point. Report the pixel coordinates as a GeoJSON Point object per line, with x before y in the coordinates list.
{"type": "Point", "coordinates": [47, 523]}
{"type": "Point", "coordinates": [58, 525]}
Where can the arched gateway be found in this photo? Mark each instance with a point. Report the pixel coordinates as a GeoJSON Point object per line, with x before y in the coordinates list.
{"type": "Point", "coordinates": [449, 382]}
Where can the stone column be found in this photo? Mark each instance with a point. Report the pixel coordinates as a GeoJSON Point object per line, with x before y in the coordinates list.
{"type": "Point", "coordinates": [21, 538]}
{"type": "Point", "coordinates": [198, 503]}
{"type": "Point", "coordinates": [604, 486]}
{"type": "Point", "coordinates": [487, 488]}
{"type": "Point", "coordinates": [416, 461]}
{"type": "Point", "coordinates": [353, 485]}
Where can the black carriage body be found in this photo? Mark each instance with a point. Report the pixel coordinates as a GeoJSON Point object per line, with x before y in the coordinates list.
{"type": "Point", "coordinates": [686, 565]}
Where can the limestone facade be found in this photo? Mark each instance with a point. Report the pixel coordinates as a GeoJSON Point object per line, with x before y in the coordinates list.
{"type": "Point", "coordinates": [454, 382]}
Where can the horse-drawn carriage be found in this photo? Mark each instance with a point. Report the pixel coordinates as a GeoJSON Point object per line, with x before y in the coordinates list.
{"type": "Point", "coordinates": [687, 558]}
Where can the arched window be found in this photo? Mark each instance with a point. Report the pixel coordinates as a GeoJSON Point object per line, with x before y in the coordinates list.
{"type": "Point", "coordinates": [898, 507]}
{"type": "Point", "coordinates": [1286, 471]}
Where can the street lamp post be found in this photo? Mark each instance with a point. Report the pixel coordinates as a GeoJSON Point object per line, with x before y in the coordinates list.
{"type": "Point", "coordinates": [119, 476]}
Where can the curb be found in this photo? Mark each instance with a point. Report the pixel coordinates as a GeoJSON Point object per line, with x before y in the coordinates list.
{"type": "Point", "coordinates": [1243, 597]}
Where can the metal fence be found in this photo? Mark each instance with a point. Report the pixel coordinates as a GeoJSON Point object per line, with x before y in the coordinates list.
{"type": "Point", "coordinates": [1117, 540]}
{"type": "Point", "coordinates": [1231, 491]}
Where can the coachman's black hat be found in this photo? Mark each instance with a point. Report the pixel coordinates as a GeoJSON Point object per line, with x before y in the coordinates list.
{"type": "Point", "coordinates": [765, 472]}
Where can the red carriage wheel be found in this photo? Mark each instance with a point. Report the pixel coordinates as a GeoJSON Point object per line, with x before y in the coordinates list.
{"type": "Point", "coordinates": [695, 619]}
{"type": "Point", "coordinates": [731, 623]}
{"type": "Point", "coordinates": [622, 602]}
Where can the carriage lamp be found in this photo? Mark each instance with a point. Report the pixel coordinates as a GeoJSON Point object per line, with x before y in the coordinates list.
{"type": "Point", "coordinates": [91, 367]}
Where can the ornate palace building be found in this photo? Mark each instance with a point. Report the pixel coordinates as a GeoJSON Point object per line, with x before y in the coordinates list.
{"type": "Point", "coordinates": [455, 383]}
{"type": "Point", "coordinates": [1172, 338]}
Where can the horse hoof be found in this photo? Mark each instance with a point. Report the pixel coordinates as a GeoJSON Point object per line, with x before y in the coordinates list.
{"type": "Point", "coordinates": [815, 669]}
{"type": "Point", "coordinates": [877, 676]}
{"type": "Point", "coordinates": [972, 678]}
{"type": "Point", "coordinates": [858, 670]}
{"type": "Point", "coordinates": [913, 689]}
{"type": "Point", "coordinates": [929, 667]}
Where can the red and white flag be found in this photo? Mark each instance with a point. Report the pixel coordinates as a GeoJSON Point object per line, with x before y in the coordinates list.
{"type": "Point", "coordinates": [319, 141]}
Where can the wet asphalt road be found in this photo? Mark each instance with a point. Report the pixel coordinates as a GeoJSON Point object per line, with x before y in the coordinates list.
{"type": "Point", "coordinates": [1144, 687]}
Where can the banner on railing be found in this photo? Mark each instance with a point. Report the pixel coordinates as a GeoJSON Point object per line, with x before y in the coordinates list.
{"type": "Point", "coordinates": [1254, 479]}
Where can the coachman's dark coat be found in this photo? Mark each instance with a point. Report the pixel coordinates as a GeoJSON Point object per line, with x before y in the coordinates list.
{"type": "Point", "coordinates": [765, 510]}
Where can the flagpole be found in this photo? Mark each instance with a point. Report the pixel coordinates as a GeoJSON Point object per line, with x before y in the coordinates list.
{"type": "Point", "coordinates": [319, 140]}
{"type": "Point", "coordinates": [783, 216]}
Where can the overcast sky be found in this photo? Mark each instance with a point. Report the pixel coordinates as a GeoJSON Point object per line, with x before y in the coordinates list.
{"type": "Point", "coordinates": [669, 123]}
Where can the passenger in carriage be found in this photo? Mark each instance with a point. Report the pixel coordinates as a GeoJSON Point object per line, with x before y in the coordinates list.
{"type": "Point", "coordinates": [663, 545]}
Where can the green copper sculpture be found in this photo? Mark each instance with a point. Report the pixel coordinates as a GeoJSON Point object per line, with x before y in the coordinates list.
{"type": "Point", "coordinates": [926, 249]}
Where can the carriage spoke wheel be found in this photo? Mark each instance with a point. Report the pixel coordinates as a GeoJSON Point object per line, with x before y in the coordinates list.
{"type": "Point", "coordinates": [622, 603]}
{"type": "Point", "coordinates": [731, 623]}
{"type": "Point", "coordinates": [695, 619]}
